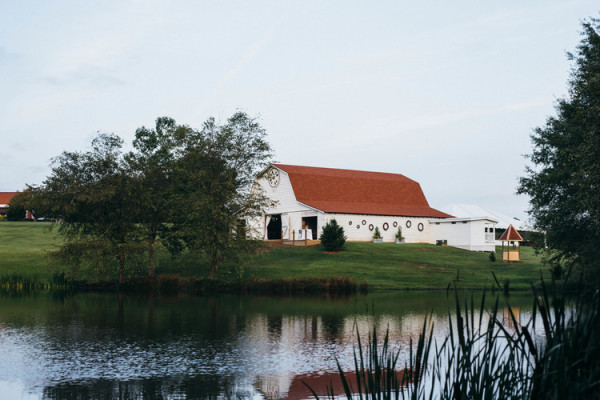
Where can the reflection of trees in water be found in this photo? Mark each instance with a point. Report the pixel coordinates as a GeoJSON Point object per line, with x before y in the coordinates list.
{"type": "Point", "coordinates": [332, 326]}
{"type": "Point", "coordinates": [197, 387]}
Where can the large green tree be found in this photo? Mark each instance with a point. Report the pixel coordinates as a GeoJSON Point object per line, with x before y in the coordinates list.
{"type": "Point", "coordinates": [214, 186]}
{"type": "Point", "coordinates": [151, 167]}
{"type": "Point", "coordinates": [564, 181]}
{"type": "Point", "coordinates": [91, 192]}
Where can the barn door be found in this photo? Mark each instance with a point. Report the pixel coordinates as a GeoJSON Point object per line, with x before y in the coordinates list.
{"type": "Point", "coordinates": [274, 227]}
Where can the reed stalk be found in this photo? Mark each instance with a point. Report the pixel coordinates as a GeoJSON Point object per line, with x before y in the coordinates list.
{"type": "Point", "coordinates": [481, 358]}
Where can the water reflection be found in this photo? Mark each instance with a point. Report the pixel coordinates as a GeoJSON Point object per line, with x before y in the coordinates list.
{"type": "Point", "coordinates": [108, 345]}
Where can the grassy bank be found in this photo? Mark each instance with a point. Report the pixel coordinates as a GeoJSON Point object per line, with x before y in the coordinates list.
{"type": "Point", "coordinates": [392, 266]}
{"type": "Point", "coordinates": [23, 248]}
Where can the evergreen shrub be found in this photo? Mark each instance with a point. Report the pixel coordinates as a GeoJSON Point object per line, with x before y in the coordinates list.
{"type": "Point", "coordinates": [332, 238]}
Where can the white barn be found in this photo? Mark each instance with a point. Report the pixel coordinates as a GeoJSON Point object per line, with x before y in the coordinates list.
{"type": "Point", "coordinates": [309, 197]}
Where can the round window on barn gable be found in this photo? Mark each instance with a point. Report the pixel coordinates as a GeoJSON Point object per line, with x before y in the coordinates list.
{"type": "Point", "coordinates": [370, 227]}
{"type": "Point", "coordinates": [357, 226]}
{"type": "Point", "coordinates": [364, 221]}
{"type": "Point", "coordinates": [395, 224]}
{"type": "Point", "coordinates": [349, 222]}
{"type": "Point", "coordinates": [408, 223]}
{"type": "Point", "coordinates": [386, 226]}
{"type": "Point", "coordinates": [420, 227]}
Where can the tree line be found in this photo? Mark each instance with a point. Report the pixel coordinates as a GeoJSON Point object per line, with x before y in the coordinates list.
{"type": "Point", "coordinates": [180, 188]}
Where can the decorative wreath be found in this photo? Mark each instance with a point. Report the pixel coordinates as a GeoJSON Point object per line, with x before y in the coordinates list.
{"type": "Point", "coordinates": [357, 226]}
{"type": "Point", "coordinates": [385, 226]}
{"type": "Point", "coordinates": [364, 221]}
{"type": "Point", "coordinates": [408, 223]}
{"type": "Point", "coordinates": [349, 222]}
{"type": "Point", "coordinates": [395, 224]}
{"type": "Point", "coordinates": [370, 227]}
{"type": "Point", "coordinates": [420, 227]}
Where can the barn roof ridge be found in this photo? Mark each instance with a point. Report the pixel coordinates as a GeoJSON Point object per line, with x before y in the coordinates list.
{"type": "Point", "coordinates": [358, 192]}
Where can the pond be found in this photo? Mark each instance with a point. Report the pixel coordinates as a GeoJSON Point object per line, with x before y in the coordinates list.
{"type": "Point", "coordinates": [105, 345]}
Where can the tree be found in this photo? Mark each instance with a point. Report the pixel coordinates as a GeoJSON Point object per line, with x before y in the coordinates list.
{"type": "Point", "coordinates": [564, 184]}
{"type": "Point", "coordinates": [151, 167]}
{"type": "Point", "coordinates": [92, 193]}
{"type": "Point", "coordinates": [332, 237]}
{"type": "Point", "coordinates": [214, 178]}
{"type": "Point", "coordinates": [18, 205]}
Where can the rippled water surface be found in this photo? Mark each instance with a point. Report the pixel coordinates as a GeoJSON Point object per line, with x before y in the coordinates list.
{"type": "Point", "coordinates": [227, 346]}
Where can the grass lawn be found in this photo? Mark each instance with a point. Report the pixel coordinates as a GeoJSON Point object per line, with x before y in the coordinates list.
{"type": "Point", "coordinates": [23, 247]}
{"type": "Point", "coordinates": [392, 266]}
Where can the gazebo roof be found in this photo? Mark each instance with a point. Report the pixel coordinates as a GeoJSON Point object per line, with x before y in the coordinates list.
{"type": "Point", "coordinates": [511, 235]}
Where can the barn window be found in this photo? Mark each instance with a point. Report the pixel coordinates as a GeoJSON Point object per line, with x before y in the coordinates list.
{"type": "Point", "coordinates": [408, 223]}
{"type": "Point", "coordinates": [420, 227]}
{"type": "Point", "coordinates": [370, 227]}
{"type": "Point", "coordinates": [349, 222]}
{"type": "Point", "coordinates": [385, 226]}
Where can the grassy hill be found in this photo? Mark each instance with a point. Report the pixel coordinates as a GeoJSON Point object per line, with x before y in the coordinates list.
{"type": "Point", "coordinates": [24, 246]}
{"type": "Point", "coordinates": [392, 266]}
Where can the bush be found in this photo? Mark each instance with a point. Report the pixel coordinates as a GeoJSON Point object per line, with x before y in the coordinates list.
{"type": "Point", "coordinates": [399, 233]}
{"type": "Point", "coordinates": [493, 256]}
{"type": "Point", "coordinates": [377, 233]}
{"type": "Point", "coordinates": [332, 238]}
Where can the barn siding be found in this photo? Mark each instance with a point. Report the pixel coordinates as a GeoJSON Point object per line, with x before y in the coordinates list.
{"type": "Point", "coordinates": [362, 234]}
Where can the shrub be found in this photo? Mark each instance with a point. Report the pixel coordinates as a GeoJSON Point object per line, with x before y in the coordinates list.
{"type": "Point", "coordinates": [377, 233]}
{"type": "Point", "coordinates": [332, 237]}
{"type": "Point", "coordinates": [399, 233]}
{"type": "Point", "coordinates": [493, 256]}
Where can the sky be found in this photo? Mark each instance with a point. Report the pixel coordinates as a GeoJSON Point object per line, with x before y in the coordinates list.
{"type": "Point", "coordinates": [445, 93]}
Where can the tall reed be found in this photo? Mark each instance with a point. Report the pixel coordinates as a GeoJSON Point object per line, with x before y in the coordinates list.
{"type": "Point", "coordinates": [480, 358]}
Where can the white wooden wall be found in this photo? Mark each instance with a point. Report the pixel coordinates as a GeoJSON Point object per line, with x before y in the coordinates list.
{"type": "Point", "coordinates": [411, 234]}
{"type": "Point", "coordinates": [468, 235]}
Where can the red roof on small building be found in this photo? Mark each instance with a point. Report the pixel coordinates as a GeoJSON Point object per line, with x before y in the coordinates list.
{"type": "Point", "coordinates": [511, 234]}
{"type": "Point", "coordinates": [5, 197]}
{"type": "Point", "coordinates": [359, 192]}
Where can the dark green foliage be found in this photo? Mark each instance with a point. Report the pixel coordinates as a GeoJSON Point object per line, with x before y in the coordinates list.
{"type": "Point", "coordinates": [564, 183]}
{"type": "Point", "coordinates": [530, 238]}
{"type": "Point", "coordinates": [182, 189]}
{"type": "Point", "coordinates": [18, 206]}
{"type": "Point", "coordinates": [332, 237]}
{"type": "Point", "coordinates": [92, 192]}
{"type": "Point", "coordinates": [214, 176]}
{"type": "Point", "coordinates": [492, 256]}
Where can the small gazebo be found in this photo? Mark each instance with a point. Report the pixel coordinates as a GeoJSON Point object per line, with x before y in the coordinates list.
{"type": "Point", "coordinates": [512, 252]}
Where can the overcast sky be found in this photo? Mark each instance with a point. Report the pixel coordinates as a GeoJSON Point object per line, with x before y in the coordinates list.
{"type": "Point", "coordinates": [446, 93]}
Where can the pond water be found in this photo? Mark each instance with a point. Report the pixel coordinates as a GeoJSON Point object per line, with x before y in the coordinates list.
{"type": "Point", "coordinates": [225, 346]}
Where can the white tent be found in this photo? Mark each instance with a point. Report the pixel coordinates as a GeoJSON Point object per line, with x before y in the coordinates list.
{"type": "Point", "coordinates": [475, 211]}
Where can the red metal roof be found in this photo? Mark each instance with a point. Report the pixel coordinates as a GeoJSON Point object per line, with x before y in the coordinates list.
{"type": "Point", "coordinates": [511, 234]}
{"type": "Point", "coordinates": [359, 192]}
{"type": "Point", "coordinates": [6, 196]}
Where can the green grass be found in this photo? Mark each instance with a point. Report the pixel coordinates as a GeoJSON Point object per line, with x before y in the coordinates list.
{"type": "Point", "coordinates": [24, 246]}
{"type": "Point", "coordinates": [392, 266]}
